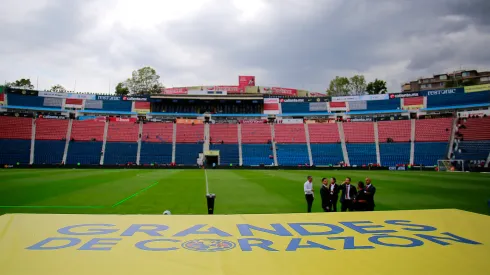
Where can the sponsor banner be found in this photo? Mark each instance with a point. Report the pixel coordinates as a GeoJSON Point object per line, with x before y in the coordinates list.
{"type": "Point", "coordinates": [211, 153]}
{"type": "Point", "coordinates": [246, 80]}
{"type": "Point", "coordinates": [52, 117]}
{"type": "Point", "coordinates": [399, 168]}
{"type": "Point", "coordinates": [188, 121]}
{"type": "Point", "coordinates": [477, 88]}
{"type": "Point", "coordinates": [360, 98]}
{"type": "Point", "coordinates": [66, 95]}
{"type": "Point", "coordinates": [318, 106]}
{"type": "Point", "coordinates": [271, 106]}
{"type": "Point", "coordinates": [404, 95]}
{"type": "Point", "coordinates": [391, 118]}
{"type": "Point", "coordinates": [175, 91]}
{"type": "Point", "coordinates": [225, 120]}
{"type": "Point", "coordinates": [53, 102]}
{"type": "Point", "coordinates": [478, 113]}
{"type": "Point", "coordinates": [80, 96]}
{"type": "Point", "coordinates": [142, 107]}
{"type": "Point", "coordinates": [164, 120]}
{"type": "Point", "coordinates": [413, 107]}
{"type": "Point", "coordinates": [108, 97]}
{"type": "Point", "coordinates": [279, 91]}
{"type": "Point", "coordinates": [135, 98]}
{"type": "Point", "coordinates": [52, 94]}
{"type": "Point", "coordinates": [253, 121]}
{"type": "Point", "coordinates": [315, 94]}
{"type": "Point", "coordinates": [123, 119]}
{"type": "Point", "coordinates": [19, 91]}
{"type": "Point", "coordinates": [93, 104]}
{"type": "Point", "coordinates": [357, 105]}
{"type": "Point", "coordinates": [442, 92]}
{"type": "Point", "coordinates": [292, 100]}
{"type": "Point", "coordinates": [206, 92]}
{"type": "Point", "coordinates": [360, 119]}
{"type": "Point", "coordinates": [228, 89]}
{"type": "Point", "coordinates": [73, 103]}
{"type": "Point", "coordinates": [290, 121]}
{"type": "Point", "coordinates": [16, 114]}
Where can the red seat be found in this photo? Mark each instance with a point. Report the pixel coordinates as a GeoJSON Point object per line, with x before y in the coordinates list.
{"type": "Point", "coordinates": [398, 130]}
{"type": "Point", "coordinates": [157, 132]}
{"type": "Point", "coordinates": [187, 133]}
{"type": "Point", "coordinates": [324, 133]}
{"type": "Point", "coordinates": [119, 131]}
{"type": "Point", "coordinates": [256, 133]}
{"type": "Point", "coordinates": [359, 132]}
{"type": "Point", "coordinates": [436, 129]}
{"type": "Point", "coordinates": [290, 133]}
{"type": "Point", "coordinates": [86, 130]}
{"type": "Point", "coordinates": [227, 133]}
{"type": "Point", "coordinates": [51, 129]}
{"type": "Point", "coordinates": [15, 127]}
{"type": "Point", "coordinates": [476, 129]}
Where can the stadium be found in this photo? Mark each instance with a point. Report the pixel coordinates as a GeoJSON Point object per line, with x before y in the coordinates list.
{"type": "Point", "coordinates": [134, 157]}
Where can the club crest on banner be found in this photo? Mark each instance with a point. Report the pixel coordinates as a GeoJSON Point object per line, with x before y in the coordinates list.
{"type": "Point", "coordinates": [208, 245]}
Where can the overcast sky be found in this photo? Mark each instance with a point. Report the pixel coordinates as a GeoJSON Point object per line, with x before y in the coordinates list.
{"type": "Point", "coordinates": [289, 43]}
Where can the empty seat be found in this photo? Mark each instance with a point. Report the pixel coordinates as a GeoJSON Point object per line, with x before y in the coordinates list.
{"type": "Point", "coordinates": [157, 132]}
{"type": "Point", "coordinates": [361, 154]}
{"type": "Point", "coordinates": [436, 129]}
{"type": "Point", "coordinates": [120, 153]}
{"type": "Point", "coordinates": [187, 133]}
{"type": "Point", "coordinates": [428, 153]}
{"type": "Point", "coordinates": [14, 151]}
{"type": "Point", "coordinates": [324, 133]}
{"type": "Point", "coordinates": [187, 154]}
{"type": "Point", "coordinates": [290, 133]}
{"type": "Point", "coordinates": [15, 127]}
{"type": "Point", "coordinates": [86, 130]}
{"type": "Point", "coordinates": [326, 154]}
{"type": "Point", "coordinates": [228, 153]}
{"type": "Point", "coordinates": [49, 151]}
{"type": "Point", "coordinates": [359, 132]}
{"type": "Point", "coordinates": [476, 129]}
{"type": "Point", "coordinates": [256, 133]}
{"type": "Point", "coordinates": [398, 130]}
{"type": "Point", "coordinates": [152, 152]}
{"type": "Point", "coordinates": [256, 154]}
{"type": "Point", "coordinates": [292, 154]}
{"type": "Point", "coordinates": [84, 152]}
{"type": "Point", "coordinates": [473, 150]}
{"type": "Point", "coordinates": [122, 131]}
{"type": "Point", "coordinates": [228, 133]}
{"type": "Point", "coordinates": [393, 154]}
{"type": "Point", "coordinates": [51, 129]}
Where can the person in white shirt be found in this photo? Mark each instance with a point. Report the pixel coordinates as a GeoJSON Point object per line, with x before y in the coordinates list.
{"type": "Point", "coordinates": [308, 188]}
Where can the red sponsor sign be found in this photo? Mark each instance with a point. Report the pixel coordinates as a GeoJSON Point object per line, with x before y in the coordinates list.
{"type": "Point", "coordinates": [175, 91]}
{"type": "Point", "coordinates": [229, 89]}
{"type": "Point", "coordinates": [120, 119]}
{"type": "Point", "coordinates": [253, 121]}
{"type": "Point", "coordinates": [315, 94]}
{"type": "Point", "coordinates": [280, 91]}
{"type": "Point", "coordinates": [244, 81]}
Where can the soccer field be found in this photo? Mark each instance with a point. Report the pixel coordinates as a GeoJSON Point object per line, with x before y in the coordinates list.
{"type": "Point", "coordinates": [131, 191]}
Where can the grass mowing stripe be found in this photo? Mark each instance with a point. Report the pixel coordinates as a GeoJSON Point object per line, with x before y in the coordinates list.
{"type": "Point", "coordinates": [144, 189]}
{"type": "Point", "coordinates": [50, 206]}
{"type": "Point", "coordinates": [207, 185]}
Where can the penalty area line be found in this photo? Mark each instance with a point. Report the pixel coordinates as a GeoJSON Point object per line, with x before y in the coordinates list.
{"type": "Point", "coordinates": [142, 190]}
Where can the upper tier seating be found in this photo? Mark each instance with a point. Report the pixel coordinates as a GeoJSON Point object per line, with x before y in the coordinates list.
{"type": "Point", "coordinates": [326, 154]}
{"type": "Point", "coordinates": [152, 152]}
{"type": "Point", "coordinates": [256, 133]}
{"type": "Point", "coordinates": [228, 153]}
{"type": "Point", "coordinates": [359, 132]}
{"type": "Point", "coordinates": [228, 133]}
{"type": "Point", "coordinates": [256, 154]}
{"type": "Point", "coordinates": [123, 131]}
{"type": "Point", "coordinates": [187, 133]}
{"type": "Point", "coordinates": [51, 129]}
{"type": "Point", "coordinates": [157, 132]}
{"type": "Point", "coordinates": [15, 150]}
{"type": "Point", "coordinates": [84, 152]}
{"type": "Point", "coordinates": [437, 129]}
{"type": "Point", "coordinates": [428, 153]}
{"type": "Point", "coordinates": [292, 154]}
{"type": "Point", "coordinates": [361, 153]}
{"type": "Point", "coordinates": [86, 130]}
{"type": "Point", "coordinates": [290, 133]}
{"type": "Point", "coordinates": [15, 127]}
{"type": "Point", "coordinates": [324, 133]}
{"type": "Point", "coordinates": [398, 130]}
{"type": "Point", "coordinates": [476, 129]}
{"type": "Point", "coordinates": [49, 151]}
{"type": "Point", "coordinates": [393, 154]}
{"type": "Point", "coordinates": [120, 153]}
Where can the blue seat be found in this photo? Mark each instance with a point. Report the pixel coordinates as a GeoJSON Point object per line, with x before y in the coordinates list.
{"type": "Point", "coordinates": [152, 152]}
{"type": "Point", "coordinates": [117, 153]}
{"type": "Point", "coordinates": [292, 154]}
{"type": "Point", "coordinates": [228, 153]}
{"type": "Point", "coordinates": [187, 153]}
{"type": "Point", "coordinates": [428, 153]}
{"type": "Point", "coordinates": [392, 154]}
{"type": "Point", "coordinates": [49, 151]}
{"type": "Point", "coordinates": [326, 154]}
{"type": "Point", "coordinates": [473, 150]}
{"type": "Point", "coordinates": [15, 150]}
{"type": "Point", "coordinates": [84, 152]}
{"type": "Point", "coordinates": [256, 154]}
{"type": "Point", "coordinates": [361, 153]}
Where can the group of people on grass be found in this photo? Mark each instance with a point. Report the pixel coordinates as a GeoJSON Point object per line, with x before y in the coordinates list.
{"type": "Point", "coordinates": [351, 198]}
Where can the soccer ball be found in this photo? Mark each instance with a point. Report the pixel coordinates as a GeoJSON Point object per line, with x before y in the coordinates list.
{"type": "Point", "coordinates": [167, 212]}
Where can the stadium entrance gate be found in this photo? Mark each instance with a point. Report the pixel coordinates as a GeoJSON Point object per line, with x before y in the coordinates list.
{"type": "Point", "coordinates": [211, 156]}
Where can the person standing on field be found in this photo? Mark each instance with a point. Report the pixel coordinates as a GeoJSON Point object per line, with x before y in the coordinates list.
{"type": "Point", "coordinates": [369, 191]}
{"type": "Point", "coordinates": [333, 189]}
{"type": "Point", "coordinates": [349, 193]}
{"type": "Point", "coordinates": [325, 195]}
{"type": "Point", "coordinates": [308, 189]}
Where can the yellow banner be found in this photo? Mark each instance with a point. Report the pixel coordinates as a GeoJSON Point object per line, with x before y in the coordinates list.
{"type": "Point", "coordinates": [413, 107]}
{"type": "Point", "coordinates": [392, 242]}
{"type": "Point", "coordinates": [211, 153]}
{"type": "Point", "coordinates": [477, 88]}
{"type": "Point", "coordinates": [142, 111]}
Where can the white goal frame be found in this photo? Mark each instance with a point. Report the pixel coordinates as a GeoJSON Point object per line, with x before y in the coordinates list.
{"type": "Point", "coordinates": [450, 165]}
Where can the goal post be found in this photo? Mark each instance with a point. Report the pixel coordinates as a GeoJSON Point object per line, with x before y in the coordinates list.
{"type": "Point", "coordinates": [452, 165]}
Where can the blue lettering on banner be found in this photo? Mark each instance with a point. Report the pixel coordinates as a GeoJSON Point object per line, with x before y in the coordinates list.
{"type": "Point", "coordinates": [452, 237]}
{"type": "Point", "coordinates": [299, 227]}
{"type": "Point", "coordinates": [382, 240]}
{"type": "Point", "coordinates": [195, 230]}
{"type": "Point", "coordinates": [245, 244]}
{"type": "Point", "coordinates": [90, 231]}
{"type": "Point", "coordinates": [361, 228]}
{"type": "Point", "coordinates": [142, 245]}
{"type": "Point", "coordinates": [109, 97]}
{"type": "Point", "coordinates": [151, 232]}
{"type": "Point", "coordinates": [91, 245]}
{"type": "Point", "coordinates": [349, 243]}
{"type": "Point", "coordinates": [294, 245]}
{"type": "Point", "coordinates": [418, 227]}
{"type": "Point", "coordinates": [279, 230]}
{"type": "Point", "coordinates": [42, 244]}
{"type": "Point", "coordinates": [442, 92]}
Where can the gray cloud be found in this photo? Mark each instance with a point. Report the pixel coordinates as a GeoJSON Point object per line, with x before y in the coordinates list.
{"type": "Point", "coordinates": [293, 43]}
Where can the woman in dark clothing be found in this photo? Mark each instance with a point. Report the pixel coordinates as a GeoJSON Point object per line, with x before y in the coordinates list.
{"type": "Point", "coordinates": [360, 203]}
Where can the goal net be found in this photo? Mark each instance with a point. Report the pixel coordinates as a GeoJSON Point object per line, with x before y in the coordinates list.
{"type": "Point", "coordinates": [453, 165]}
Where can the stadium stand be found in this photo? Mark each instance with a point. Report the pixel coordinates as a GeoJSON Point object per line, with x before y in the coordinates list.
{"type": "Point", "coordinates": [361, 153]}
{"type": "Point", "coordinates": [475, 142]}
{"type": "Point", "coordinates": [122, 132]}
{"type": "Point", "coordinates": [15, 127]}
{"type": "Point", "coordinates": [187, 154]}
{"type": "Point", "coordinates": [437, 129]}
{"type": "Point", "coordinates": [398, 130]}
{"type": "Point", "coordinates": [326, 154]}
{"type": "Point", "coordinates": [393, 154]}
{"type": "Point", "coordinates": [289, 133]}
{"type": "Point", "coordinates": [256, 133]}
{"type": "Point", "coordinates": [51, 129]}
{"type": "Point", "coordinates": [157, 132]}
{"type": "Point", "coordinates": [86, 130]}
{"type": "Point", "coordinates": [228, 153]}
{"type": "Point", "coordinates": [359, 132]}
{"type": "Point", "coordinates": [292, 154]}
{"type": "Point", "coordinates": [49, 151]}
{"type": "Point", "coordinates": [428, 153]}
{"type": "Point", "coordinates": [228, 133]}
{"type": "Point", "coordinates": [187, 133]}
{"type": "Point", "coordinates": [257, 154]}
{"type": "Point", "coordinates": [324, 133]}
{"type": "Point", "coordinates": [14, 151]}
{"type": "Point", "coordinates": [84, 152]}
{"type": "Point", "coordinates": [152, 152]}
{"type": "Point", "coordinates": [120, 153]}
{"type": "Point", "coordinates": [473, 150]}
{"type": "Point", "coordinates": [476, 129]}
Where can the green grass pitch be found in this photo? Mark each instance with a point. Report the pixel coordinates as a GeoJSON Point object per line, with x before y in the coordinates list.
{"type": "Point", "coordinates": [131, 191]}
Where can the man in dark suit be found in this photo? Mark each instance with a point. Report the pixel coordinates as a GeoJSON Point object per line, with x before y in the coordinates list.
{"type": "Point", "coordinates": [325, 194]}
{"type": "Point", "coordinates": [333, 189]}
{"type": "Point", "coordinates": [370, 191]}
{"type": "Point", "coordinates": [348, 195]}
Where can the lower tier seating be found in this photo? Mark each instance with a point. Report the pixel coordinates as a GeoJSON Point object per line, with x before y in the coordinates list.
{"type": "Point", "coordinates": [292, 154]}
{"type": "Point", "coordinates": [256, 154]}
{"type": "Point", "coordinates": [361, 153]}
{"type": "Point", "coordinates": [49, 151]}
{"type": "Point", "coordinates": [187, 153]}
{"type": "Point", "coordinates": [117, 153]}
{"type": "Point", "coordinates": [14, 151]}
{"type": "Point", "coordinates": [160, 153]}
{"type": "Point", "coordinates": [84, 152]}
{"type": "Point", "coordinates": [326, 154]}
{"type": "Point", "coordinates": [228, 153]}
{"type": "Point", "coordinates": [393, 154]}
{"type": "Point", "coordinates": [428, 153]}
{"type": "Point", "coordinates": [473, 150]}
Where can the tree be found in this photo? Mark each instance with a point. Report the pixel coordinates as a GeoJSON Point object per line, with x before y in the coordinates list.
{"type": "Point", "coordinates": [21, 83]}
{"type": "Point", "coordinates": [357, 85]}
{"type": "Point", "coordinates": [377, 87]}
{"type": "Point", "coordinates": [122, 89]}
{"type": "Point", "coordinates": [338, 86]}
{"type": "Point", "coordinates": [58, 88]}
{"type": "Point", "coordinates": [144, 81]}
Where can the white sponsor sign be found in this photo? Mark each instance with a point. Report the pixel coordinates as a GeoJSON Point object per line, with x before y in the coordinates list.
{"type": "Point", "coordinates": [291, 121]}
{"type": "Point", "coordinates": [66, 95]}
{"type": "Point", "coordinates": [359, 97]}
